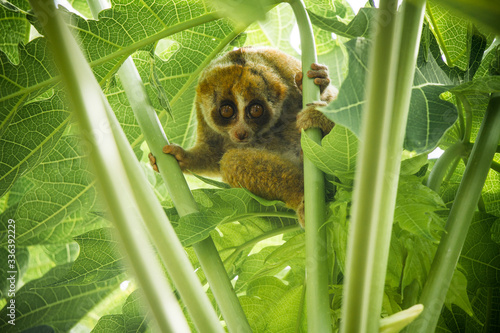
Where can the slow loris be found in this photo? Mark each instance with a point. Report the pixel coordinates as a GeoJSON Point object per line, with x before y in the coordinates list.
{"type": "Point", "coordinates": [249, 112]}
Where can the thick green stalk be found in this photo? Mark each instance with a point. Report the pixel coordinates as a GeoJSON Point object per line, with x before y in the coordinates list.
{"type": "Point", "coordinates": [317, 297]}
{"type": "Point", "coordinates": [89, 106]}
{"type": "Point", "coordinates": [185, 204]}
{"type": "Point", "coordinates": [442, 166]}
{"type": "Point", "coordinates": [460, 218]}
{"type": "Point", "coordinates": [410, 26]}
{"type": "Point", "coordinates": [160, 229]}
{"type": "Point", "coordinates": [365, 276]}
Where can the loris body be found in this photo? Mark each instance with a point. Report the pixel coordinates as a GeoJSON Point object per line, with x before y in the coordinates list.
{"type": "Point", "coordinates": [247, 103]}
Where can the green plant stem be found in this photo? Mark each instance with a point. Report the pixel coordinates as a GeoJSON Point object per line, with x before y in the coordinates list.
{"type": "Point", "coordinates": [317, 298]}
{"type": "Point", "coordinates": [185, 204]}
{"type": "Point", "coordinates": [90, 109]}
{"type": "Point", "coordinates": [161, 231]}
{"type": "Point", "coordinates": [377, 168]}
{"type": "Point", "coordinates": [468, 117]}
{"type": "Point", "coordinates": [495, 166]}
{"type": "Point", "coordinates": [411, 20]}
{"type": "Point", "coordinates": [442, 165]}
{"type": "Point", "coordinates": [459, 220]}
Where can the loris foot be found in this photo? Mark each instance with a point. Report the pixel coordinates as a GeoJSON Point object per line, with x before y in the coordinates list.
{"type": "Point", "coordinates": [320, 75]}
{"type": "Point", "coordinates": [152, 161]}
{"type": "Point", "coordinates": [178, 152]}
{"type": "Point", "coordinates": [301, 213]}
{"type": "Point", "coordinates": [310, 117]}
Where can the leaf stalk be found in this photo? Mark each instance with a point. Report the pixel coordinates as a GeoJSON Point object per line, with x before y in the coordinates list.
{"type": "Point", "coordinates": [317, 298]}
{"type": "Point", "coordinates": [90, 106]}
{"type": "Point", "coordinates": [389, 85]}
{"type": "Point", "coordinates": [460, 218]}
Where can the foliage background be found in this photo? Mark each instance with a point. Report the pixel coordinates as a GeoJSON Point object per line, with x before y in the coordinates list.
{"type": "Point", "coordinates": [71, 274]}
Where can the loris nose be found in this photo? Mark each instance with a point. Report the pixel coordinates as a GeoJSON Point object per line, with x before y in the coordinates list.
{"type": "Point", "coordinates": [241, 135]}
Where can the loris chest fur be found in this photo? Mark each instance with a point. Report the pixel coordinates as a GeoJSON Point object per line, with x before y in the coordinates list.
{"type": "Point", "coordinates": [247, 103]}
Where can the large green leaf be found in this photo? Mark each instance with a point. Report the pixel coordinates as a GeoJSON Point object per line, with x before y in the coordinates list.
{"type": "Point", "coordinates": [13, 28]}
{"type": "Point", "coordinates": [416, 207]}
{"type": "Point", "coordinates": [131, 320]}
{"type": "Point", "coordinates": [480, 261]}
{"type": "Point", "coordinates": [60, 307]}
{"type": "Point", "coordinates": [481, 11]}
{"type": "Point", "coordinates": [120, 31]}
{"type": "Point", "coordinates": [62, 186]}
{"type": "Point", "coordinates": [29, 137]}
{"type": "Point", "coordinates": [99, 259]}
{"type": "Point", "coordinates": [451, 33]}
{"type": "Point", "coordinates": [223, 206]}
{"type": "Point", "coordinates": [429, 117]}
{"type": "Point", "coordinates": [359, 26]}
{"type": "Point", "coordinates": [337, 153]}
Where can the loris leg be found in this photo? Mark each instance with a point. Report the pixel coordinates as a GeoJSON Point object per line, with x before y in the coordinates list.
{"type": "Point", "coordinates": [265, 174]}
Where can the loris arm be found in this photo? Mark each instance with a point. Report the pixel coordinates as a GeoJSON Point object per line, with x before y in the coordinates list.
{"type": "Point", "coordinates": [202, 159]}
{"type": "Point", "coordinates": [310, 116]}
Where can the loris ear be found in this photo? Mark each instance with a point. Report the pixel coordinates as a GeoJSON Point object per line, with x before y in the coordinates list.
{"type": "Point", "coordinates": [236, 56]}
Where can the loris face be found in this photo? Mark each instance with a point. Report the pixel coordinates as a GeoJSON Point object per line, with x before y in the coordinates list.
{"type": "Point", "coordinates": [241, 100]}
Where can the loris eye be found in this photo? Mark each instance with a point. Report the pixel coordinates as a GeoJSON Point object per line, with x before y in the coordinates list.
{"type": "Point", "coordinates": [256, 110]}
{"type": "Point", "coordinates": [226, 111]}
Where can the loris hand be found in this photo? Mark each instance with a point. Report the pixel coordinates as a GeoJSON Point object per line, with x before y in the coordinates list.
{"type": "Point", "coordinates": [320, 75]}
{"type": "Point", "coordinates": [179, 153]}
{"type": "Point", "coordinates": [310, 117]}
{"type": "Point", "coordinates": [152, 161]}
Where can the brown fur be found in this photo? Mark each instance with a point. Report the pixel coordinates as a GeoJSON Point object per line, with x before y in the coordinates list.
{"type": "Point", "coordinates": [261, 154]}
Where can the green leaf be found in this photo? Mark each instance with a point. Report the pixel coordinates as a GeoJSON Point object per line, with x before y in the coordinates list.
{"type": "Point", "coordinates": [457, 293]}
{"type": "Point", "coordinates": [99, 260]}
{"type": "Point", "coordinates": [287, 314]}
{"type": "Point", "coordinates": [338, 215]}
{"type": "Point", "coordinates": [485, 85]}
{"type": "Point", "coordinates": [419, 256]}
{"type": "Point", "coordinates": [14, 28]}
{"type": "Point", "coordinates": [480, 261]}
{"type": "Point", "coordinates": [250, 265]}
{"type": "Point", "coordinates": [451, 33]}
{"type": "Point", "coordinates": [223, 206]}
{"type": "Point", "coordinates": [135, 312]}
{"type": "Point", "coordinates": [261, 295]}
{"type": "Point", "coordinates": [15, 264]}
{"type": "Point", "coordinates": [60, 307]}
{"type": "Point", "coordinates": [359, 26]}
{"type": "Point", "coordinates": [482, 11]}
{"type": "Point", "coordinates": [62, 185]}
{"type": "Point", "coordinates": [491, 193]}
{"type": "Point", "coordinates": [132, 319]}
{"type": "Point", "coordinates": [271, 306]}
{"type": "Point", "coordinates": [110, 323]}
{"type": "Point", "coordinates": [337, 153]}
{"type": "Point", "coordinates": [480, 257]}
{"type": "Point", "coordinates": [416, 205]}
{"type": "Point", "coordinates": [29, 137]}
{"type": "Point", "coordinates": [429, 117]}
{"type": "Point", "coordinates": [275, 30]}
